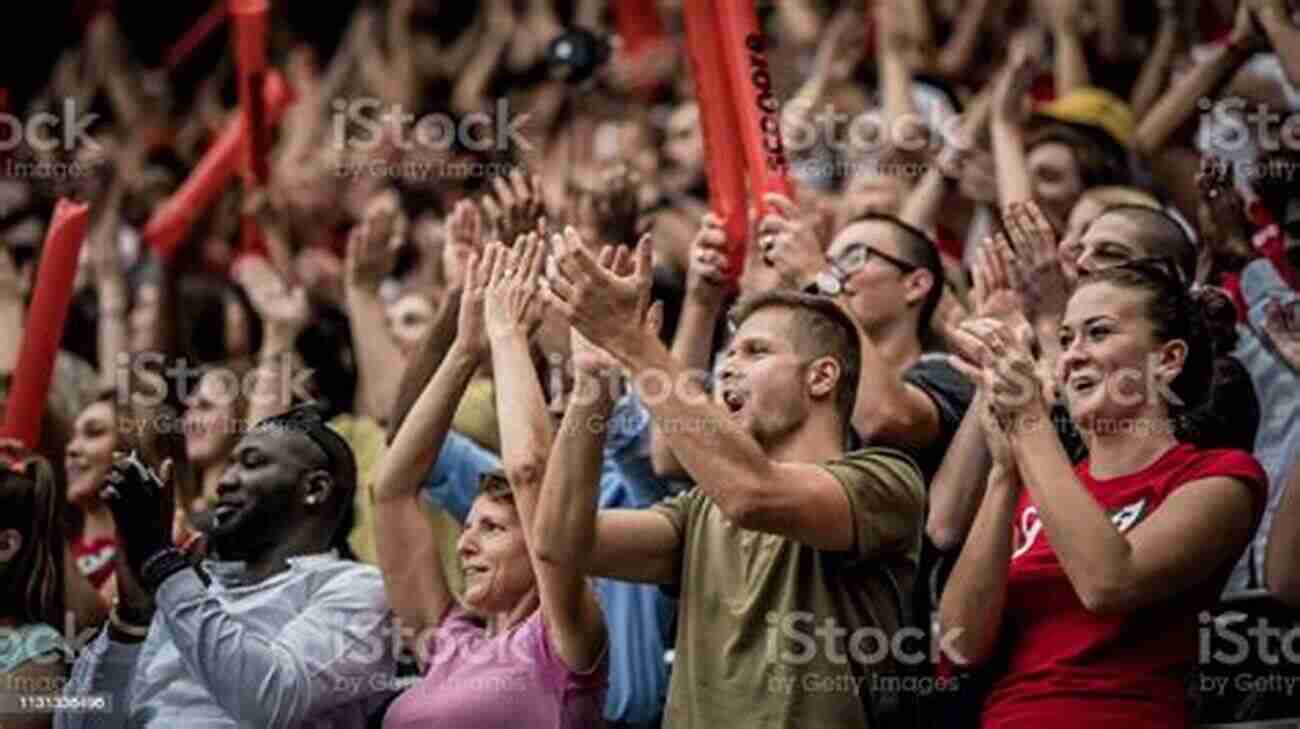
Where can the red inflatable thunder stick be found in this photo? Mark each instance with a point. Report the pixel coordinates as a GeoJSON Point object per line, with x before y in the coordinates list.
{"type": "Point", "coordinates": [723, 161]}
{"type": "Point", "coordinates": [172, 220]}
{"type": "Point", "coordinates": [202, 29]}
{"type": "Point", "coordinates": [44, 329]}
{"type": "Point", "coordinates": [250, 18]}
{"type": "Point", "coordinates": [744, 48]}
{"type": "Point", "coordinates": [249, 34]}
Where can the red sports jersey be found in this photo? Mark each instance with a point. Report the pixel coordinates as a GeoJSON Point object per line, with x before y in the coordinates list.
{"type": "Point", "coordinates": [1069, 667]}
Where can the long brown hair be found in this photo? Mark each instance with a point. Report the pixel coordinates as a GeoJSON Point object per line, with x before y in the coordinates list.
{"type": "Point", "coordinates": [32, 503]}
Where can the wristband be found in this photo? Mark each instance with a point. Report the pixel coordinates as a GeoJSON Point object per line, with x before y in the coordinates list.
{"type": "Point", "coordinates": [163, 564]}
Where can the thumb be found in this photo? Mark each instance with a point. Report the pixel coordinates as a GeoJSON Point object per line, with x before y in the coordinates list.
{"type": "Point", "coordinates": [654, 319]}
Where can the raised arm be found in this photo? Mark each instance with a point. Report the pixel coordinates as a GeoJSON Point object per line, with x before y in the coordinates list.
{"type": "Point", "coordinates": [1155, 70]}
{"type": "Point", "coordinates": [1179, 103]}
{"type": "Point", "coordinates": [1275, 18]}
{"type": "Point", "coordinates": [371, 248]}
{"type": "Point", "coordinates": [972, 604]}
{"type": "Point", "coordinates": [1071, 62]}
{"type": "Point", "coordinates": [406, 548]}
{"type": "Point", "coordinates": [726, 461]}
{"type": "Point", "coordinates": [693, 342]}
{"type": "Point", "coordinates": [1009, 158]}
{"type": "Point", "coordinates": [575, 623]}
{"type": "Point", "coordinates": [927, 199]}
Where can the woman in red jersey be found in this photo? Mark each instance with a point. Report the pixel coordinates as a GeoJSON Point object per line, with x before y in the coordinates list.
{"type": "Point", "coordinates": [1088, 581]}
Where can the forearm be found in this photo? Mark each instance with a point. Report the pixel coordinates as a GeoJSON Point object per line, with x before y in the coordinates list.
{"type": "Point", "coordinates": [958, 487]}
{"type": "Point", "coordinates": [564, 531]}
{"type": "Point", "coordinates": [1285, 39]}
{"type": "Point", "coordinates": [882, 412]}
{"type": "Point", "coordinates": [693, 347]}
{"type": "Point", "coordinates": [1096, 558]}
{"type": "Point", "coordinates": [901, 117]}
{"type": "Point", "coordinates": [1281, 570]}
{"type": "Point", "coordinates": [425, 360]}
{"type": "Point", "coordinates": [525, 435]}
{"type": "Point", "coordinates": [1180, 102]}
{"type": "Point", "coordinates": [921, 209]}
{"type": "Point", "coordinates": [956, 56]}
{"type": "Point", "coordinates": [377, 355]}
{"type": "Point", "coordinates": [1151, 79]}
{"type": "Point", "coordinates": [1010, 163]}
{"type": "Point", "coordinates": [975, 598]}
{"type": "Point", "coordinates": [418, 441]}
{"type": "Point", "coordinates": [1071, 63]}
{"type": "Point", "coordinates": [1112, 31]}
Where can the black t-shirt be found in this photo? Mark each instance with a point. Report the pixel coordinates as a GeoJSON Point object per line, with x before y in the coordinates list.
{"type": "Point", "coordinates": [951, 394]}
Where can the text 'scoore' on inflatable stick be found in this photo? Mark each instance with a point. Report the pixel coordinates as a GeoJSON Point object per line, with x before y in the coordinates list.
{"type": "Point", "coordinates": [44, 329]}
{"type": "Point", "coordinates": [744, 48]}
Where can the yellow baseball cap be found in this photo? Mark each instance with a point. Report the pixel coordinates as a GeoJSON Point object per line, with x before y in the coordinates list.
{"type": "Point", "coordinates": [1093, 107]}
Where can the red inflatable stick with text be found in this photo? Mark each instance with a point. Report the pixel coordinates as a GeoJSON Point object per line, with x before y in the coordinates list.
{"type": "Point", "coordinates": [723, 161]}
{"type": "Point", "coordinates": [44, 329]}
{"type": "Point", "coordinates": [758, 112]}
{"type": "Point", "coordinates": [172, 220]}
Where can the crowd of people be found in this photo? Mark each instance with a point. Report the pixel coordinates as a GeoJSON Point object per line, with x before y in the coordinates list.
{"type": "Point", "coordinates": [480, 411]}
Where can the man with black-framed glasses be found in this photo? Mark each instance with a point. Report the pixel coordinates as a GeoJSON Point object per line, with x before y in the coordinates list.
{"type": "Point", "coordinates": [889, 276]}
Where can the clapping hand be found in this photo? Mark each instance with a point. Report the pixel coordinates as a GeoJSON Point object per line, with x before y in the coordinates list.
{"type": "Point", "coordinates": [607, 307]}
{"type": "Point", "coordinates": [141, 503]}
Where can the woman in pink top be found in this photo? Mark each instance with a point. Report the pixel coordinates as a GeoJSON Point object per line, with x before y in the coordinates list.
{"type": "Point", "coordinates": [527, 647]}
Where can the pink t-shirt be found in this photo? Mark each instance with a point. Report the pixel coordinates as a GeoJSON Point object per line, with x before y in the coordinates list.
{"type": "Point", "coordinates": [509, 681]}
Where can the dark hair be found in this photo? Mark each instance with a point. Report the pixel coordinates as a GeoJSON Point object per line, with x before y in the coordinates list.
{"type": "Point", "coordinates": [1276, 191]}
{"type": "Point", "coordinates": [31, 503]}
{"type": "Point", "coordinates": [920, 250]}
{"type": "Point", "coordinates": [1159, 236]}
{"type": "Point", "coordinates": [819, 328]}
{"type": "Point", "coordinates": [203, 321]}
{"type": "Point", "coordinates": [1101, 160]}
{"type": "Point", "coordinates": [1174, 314]}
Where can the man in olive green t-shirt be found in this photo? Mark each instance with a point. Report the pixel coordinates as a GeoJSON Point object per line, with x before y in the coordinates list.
{"type": "Point", "coordinates": [784, 551]}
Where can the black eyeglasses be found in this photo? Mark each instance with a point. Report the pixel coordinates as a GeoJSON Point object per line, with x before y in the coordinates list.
{"type": "Point", "coordinates": [851, 260]}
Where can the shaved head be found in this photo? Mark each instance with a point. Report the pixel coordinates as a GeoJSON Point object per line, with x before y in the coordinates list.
{"type": "Point", "coordinates": [1152, 233]}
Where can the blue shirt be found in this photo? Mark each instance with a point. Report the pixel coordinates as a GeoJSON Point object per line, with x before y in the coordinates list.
{"type": "Point", "coordinates": [639, 616]}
